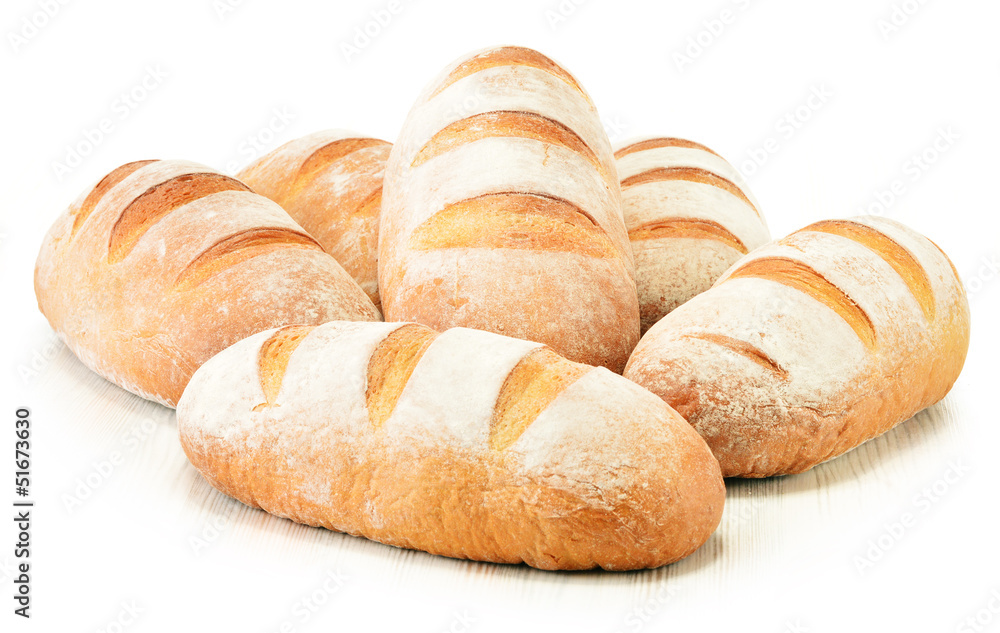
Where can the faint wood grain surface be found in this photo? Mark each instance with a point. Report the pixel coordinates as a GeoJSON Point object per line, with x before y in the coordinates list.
{"type": "Point", "coordinates": [785, 554]}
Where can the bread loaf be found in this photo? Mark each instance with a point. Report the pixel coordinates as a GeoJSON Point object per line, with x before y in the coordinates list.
{"type": "Point", "coordinates": [811, 345]}
{"type": "Point", "coordinates": [689, 216]}
{"type": "Point", "coordinates": [464, 444]}
{"type": "Point", "coordinates": [164, 263]}
{"type": "Point", "coordinates": [330, 183]}
{"type": "Point", "coordinates": [502, 212]}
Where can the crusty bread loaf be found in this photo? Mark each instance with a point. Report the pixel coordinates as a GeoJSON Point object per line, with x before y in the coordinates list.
{"type": "Point", "coordinates": [502, 212]}
{"type": "Point", "coordinates": [330, 183]}
{"type": "Point", "coordinates": [811, 345]}
{"type": "Point", "coordinates": [464, 444]}
{"type": "Point", "coordinates": [689, 216]}
{"type": "Point", "coordinates": [164, 263]}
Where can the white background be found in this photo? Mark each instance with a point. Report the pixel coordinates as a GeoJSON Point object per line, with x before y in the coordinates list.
{"type": "Point", "coordinates": [153, 537]}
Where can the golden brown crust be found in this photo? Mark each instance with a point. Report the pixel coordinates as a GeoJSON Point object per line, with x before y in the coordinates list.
{"type": "Point", "coordinates": [504, 123]}
{"type": "Point", "coordinates": [507, 56]}
{"type": "Point", "coordinates": [175, 263]}
{"type": "Point", "coordinates": [234, 249]}
{"type": "Point", "coordinates": [391, 366]}
{"type": "Point", "coordinates": [272, 362]}
{"type": "Point", "coordinates": [528, 389]}
{"type": "Point", "coordinates": [481, 509]}
{"type": "Point", "coordinates": [514, 220]}
{"type": "Point", "coordinates": [603, 474]}
{"type": "Point", "coordinates": [690, 174]}
{"type": "Point", "coordinates": [901, 260]}
{"type": "Point", "coordinates": [370, 206]}
{"type": "Point", "coordinates": [687, 227]}
{"type": "Point", "coordinates": [117, 175]}
{"type": "Point", "coordinates": [322, 158]}
{"type": "Point", "coordinates": [836, 392]}
{"type": "Point", "coordinates": [159, 200]}
{"type": "Point", "coordinates": [802, 277]}
{"type": "Point", "coordinates": [333, 188]}
{"type": "Point", "coordinates": [521, 235]}
{"type": "Point", "coordinates": [655, 143]}
{"type": "Point", "coordinates": [744, 349]}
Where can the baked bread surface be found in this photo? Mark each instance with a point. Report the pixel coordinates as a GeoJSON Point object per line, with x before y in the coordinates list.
{"type": "Point", "coordinates": [165, 263]}
{"type": "Point", "coordinates": [465, 444]}
{"type": "Point", "coordinates": [502, 212]}
{"type": "Point", "coordinates": [330, 182]}
{"type": "Point", "coordinates": [811, 345]}
{"type": "Point", "coordinates": [689, 215]}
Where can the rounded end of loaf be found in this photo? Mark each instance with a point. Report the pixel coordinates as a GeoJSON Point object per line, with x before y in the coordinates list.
{"type": "Point", "coordinates": [466, 444]}
{"type": "Point", "coordinates": [322, 292]}
{"type": "Point", "coordinates": [497, 56]}
{"type": "Point", "coordinates": [275, 174]}
{"type": "Point", "coordinates": [952, 322]}
{"type": "Point", "coordinates": [47, 267]}
{"type": "Point", "coordinates": [811, 345]}
{"type": "Point", "coordinates": [690, 215]}
{"type": "Point", "coordinates": [205, 412]}
{"type": "Point", "coordinates": [749, 439]}
{"type": "Point", "coordinates": [633, 485]}
{"type": "Point", "coordinates": [688, 509]}
{"type": "Point", "coordinates": [502, 211]}
{"type": "Point", "coordinates": [330, 182]}
{"type": "Point", "coordinates": [669, 374]}
{"type": "Point", "coordinates": [164, 263]}
{"type": "Point", "coordinates": [930, 276]}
